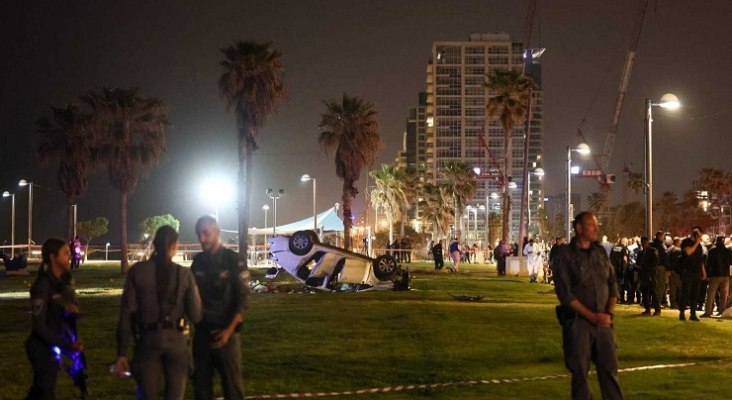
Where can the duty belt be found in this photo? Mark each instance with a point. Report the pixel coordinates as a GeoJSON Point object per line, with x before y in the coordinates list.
{"type": "Point", "coordinates": [162, 325]}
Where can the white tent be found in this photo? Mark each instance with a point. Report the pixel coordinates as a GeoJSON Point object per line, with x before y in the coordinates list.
{"type": "Point", "coordinates": [328, 221]}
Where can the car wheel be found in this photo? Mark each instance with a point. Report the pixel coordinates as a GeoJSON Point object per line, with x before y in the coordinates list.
{"type": "Point", "coordinates": [385, 267]}
{"type": "Point", "coordinates": [301, 242]}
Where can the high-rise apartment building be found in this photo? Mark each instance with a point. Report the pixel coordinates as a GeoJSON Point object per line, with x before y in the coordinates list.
{"type": "Point", "coordinates": [455, 117]}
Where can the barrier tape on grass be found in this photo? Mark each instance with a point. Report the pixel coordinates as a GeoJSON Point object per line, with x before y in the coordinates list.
{"type": "Point", "coordinates": [403, 388]}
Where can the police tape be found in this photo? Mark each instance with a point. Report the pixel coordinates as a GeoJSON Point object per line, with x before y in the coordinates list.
{"type": "Point", "coordinates": [403, 388]}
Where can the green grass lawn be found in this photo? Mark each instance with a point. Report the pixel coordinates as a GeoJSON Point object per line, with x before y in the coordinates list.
{"type": "Point", "coordinates": [351, 341]}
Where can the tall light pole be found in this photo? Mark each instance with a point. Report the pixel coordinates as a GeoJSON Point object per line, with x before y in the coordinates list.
{"type": "Point", "coordinates": [511, 185]}
{"type": "Point", "coordinates": [265, 208]}
{"type": "Point", "coordinates": [582, 149]}
{"type": "Point", "coordinates": [12, 222]}
{"type": "Point", "coordinates": [306, 178]}
{"type": "Point", "coordinates": [539, 172]}
{"type": "Point", "coordinates": [274, 198]}
{"type": "Point", "coordinates": [22, 183]}
{"type": "Point", "coordinates": [671, 102]}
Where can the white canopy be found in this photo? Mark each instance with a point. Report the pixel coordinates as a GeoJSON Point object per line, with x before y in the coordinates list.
{"type": "Point", "coordinates": [328, 221]}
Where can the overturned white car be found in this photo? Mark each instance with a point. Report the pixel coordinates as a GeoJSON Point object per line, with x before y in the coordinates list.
{"type": "Point", "coordinates": [324, 267]}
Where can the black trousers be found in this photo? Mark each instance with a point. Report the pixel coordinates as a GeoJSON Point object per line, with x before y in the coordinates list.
{"type": "Point", "coordinates": [584, 342]}
{"type": "Point", "coordinates": [226, 361]}
{"type": "Point", "coordinates": [501, 261]}
{"type": "Point", "coordinates": [649, 284]}
{"type": "Point", "coordinates": [690, 284]}
{"type": "Point", "coordinates": [439, 263]}
{"type": "Point", "coordinates": [45, 370]}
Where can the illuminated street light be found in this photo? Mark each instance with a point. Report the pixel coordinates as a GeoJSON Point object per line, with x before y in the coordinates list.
{"type": "Point", "coordinates": [23, 183]}
{"type": "Point", "coordinates": [583, 149]}
{"type": "Point", "coordinates": [216, 192]}
{"type": "Point", "coordinates": [12, 223]}
{"type": "Point", "coordinates": [671, 102]}
{"type": "Point", "coordinates": [306, 178]}
{"type": "Point", "coordinates": [274, 198]}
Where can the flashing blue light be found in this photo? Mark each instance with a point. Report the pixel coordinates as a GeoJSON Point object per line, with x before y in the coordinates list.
{"type": "Point", "coordinates": [56, 350]}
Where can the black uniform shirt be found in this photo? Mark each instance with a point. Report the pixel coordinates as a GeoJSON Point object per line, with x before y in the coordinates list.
{"type": "Point", "coordinates": [674, 259]}
{"type": "Point", "coordinates": [222, 279]}
{"type": "Point", "coordinates": [437, 250]}
{"type": "Point", "coordinates": [619, 257]}
{"type": "Point", "coordinates": [662, 253]}
{"type": "Point", "coordinates": [585, 275]}
{"type": "Point", "coordinates": [49, 296]}
{"type": "Point", "coordinates": [718, 262]}
{"type": "Point", "coordinates": [693, 263]}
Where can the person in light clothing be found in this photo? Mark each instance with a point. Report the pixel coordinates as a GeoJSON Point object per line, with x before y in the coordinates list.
{"type": "Point", "coordinates": [533, 259]}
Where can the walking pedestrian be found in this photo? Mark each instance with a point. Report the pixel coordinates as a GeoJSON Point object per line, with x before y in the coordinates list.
{"type": "Point", "coordinates": [158, 300]}
{"type": "Point", "coordinates": [456, 254]}
{"type": "Point", "coordinates": [587, 290]}
{"type": "Point", "coordinates": [533, 260]}
{"type": "Point", "coordinates": [52, 295]}
{"type": "Point", "coordinates": [437, 256]}
{"type": "Point", "coordinates": [692, 267]}
{"type": "Point", "coordinates": [222, 278]}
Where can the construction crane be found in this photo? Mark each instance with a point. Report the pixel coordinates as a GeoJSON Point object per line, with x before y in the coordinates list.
{"type": "Point", "coordinates": [603, 160]}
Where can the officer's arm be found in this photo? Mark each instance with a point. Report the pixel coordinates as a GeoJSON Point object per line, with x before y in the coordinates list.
{"type": "Point", "coordinates": [194, 308]}
{"type": "Point", "coordinates": [39, 296]}
{"type": "Point", "coordinates": [129, 307]}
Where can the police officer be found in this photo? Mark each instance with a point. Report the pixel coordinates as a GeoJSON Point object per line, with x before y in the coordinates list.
{"type": "Point", "coordinates": [692, 273]}
{"type": "Point", "coordinates": [663, 266]}
{"type": "Point", "coordinates": [222, 277]}
{"type": "Point", "coordinates": [52, 296]}
{"type": "Point", "coordinates": [587, 289]}
{"type": "Point", "coordinates": [158, 294]}
{"type": "Point", "coordinates": [648, 261]}
{"type": "Point", "coordinates": [437, 256]}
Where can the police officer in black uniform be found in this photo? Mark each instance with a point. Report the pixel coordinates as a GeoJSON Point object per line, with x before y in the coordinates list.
{"type": "Point", "coordinates": [438, 256]}
{"type": "Point", "coordinates": [222, 278]}
{"type": "Point", "coordinates": [158, 295]}
{"type": "Point", "coordinates": [588, 291]}
{"type": "Point", "coordinates": [53, 298]}
{"type": "Point", "coordinates": [648, 261]}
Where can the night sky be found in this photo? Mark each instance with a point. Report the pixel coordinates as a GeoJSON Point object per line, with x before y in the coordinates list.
{"type": "Point", "coordinates": [53, 51]}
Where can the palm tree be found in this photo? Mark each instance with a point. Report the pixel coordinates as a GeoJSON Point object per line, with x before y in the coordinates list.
{"type": "Point", "coordinates": [410, 185]}
{"type": "Point", "coordinates": [352, 134]}
{"type": "Point", "coordinates": [253, 87]}
{"type": "Point", "coordinates": [65, 136]}
{"type": "Point", "coordinates": [596, 201]}
{"type": "Point", "coordinates": [636, 182]}
{"type": "Point", "coordinates": [668, 212]}
{"type": "Point", "coordinates": [460, 179]}
{"type": "Point", "coordinates": [509, 92]}
{"type": "Point", "coordinates": [129, 132]}
{"type": "Point", "coordinates": [437, 209]}
{"type": "Point", "coordinates": [389, 194]}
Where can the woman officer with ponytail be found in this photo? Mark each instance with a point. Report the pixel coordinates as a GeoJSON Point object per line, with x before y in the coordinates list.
{"type": "Point", "coordinates": [158, 295]}
{"type": "Point", "coordinates": [52, 296]}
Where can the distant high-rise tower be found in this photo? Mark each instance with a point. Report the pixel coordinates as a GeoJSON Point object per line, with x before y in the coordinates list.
{"type": "Point", "coordinates": [455, 116]}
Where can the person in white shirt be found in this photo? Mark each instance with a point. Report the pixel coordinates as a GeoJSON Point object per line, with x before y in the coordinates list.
{"type": "Point", "coordinates": [533, 259]}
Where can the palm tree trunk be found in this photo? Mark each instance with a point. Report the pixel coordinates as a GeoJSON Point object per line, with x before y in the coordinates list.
{"type": "Point", "coordinates": [69, 218]}
{"type": "Point", "coordinates": [506, 212]}
{"type": "Point", "coordinates": [244, 185]}
{"type": "Point", "coordinates": [124, 264]}
{"type": "Point", "coordinates": [523, 228]}
{"type": "Point", "coordinates": [348, 192]}
{"type": "Point", "coordinates": [401, 227]}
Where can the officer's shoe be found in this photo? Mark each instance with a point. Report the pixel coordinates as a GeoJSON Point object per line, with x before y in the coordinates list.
{"type": "Point", "coordinates": [647, 312]}
{"type": "Point", "coordinates": [657, 313]}
{"type": "Point", "coordinates": [693, 318]}
{"type": "Point", "coordinates": [682, 317]}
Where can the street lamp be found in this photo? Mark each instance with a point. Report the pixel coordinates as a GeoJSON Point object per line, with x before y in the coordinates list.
{"type": "Point", "coordinates": [306, 178]}
{"type": "Point", "coordinates": [274, 198]}
{"type": "Point", "coordinates": [216, 192]}
{"type": "Point", "coordinates": [671, 102]}
{"type": "Point", "coordinates": [22, 183]}
{"type": "Point", "coordinates": [539, 172]}
{"type": "Point", "coordinates": [583, 149]}
{"type": "Point", "coordinates": [12, 223]}
{"type": "Point", "coordinates": [475, 219]}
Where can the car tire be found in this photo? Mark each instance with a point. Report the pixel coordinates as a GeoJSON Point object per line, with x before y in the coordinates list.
{"type": "Point", "coordinates": [385, 267]}
{"type": "Point", "coordinates": [301, 242]}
